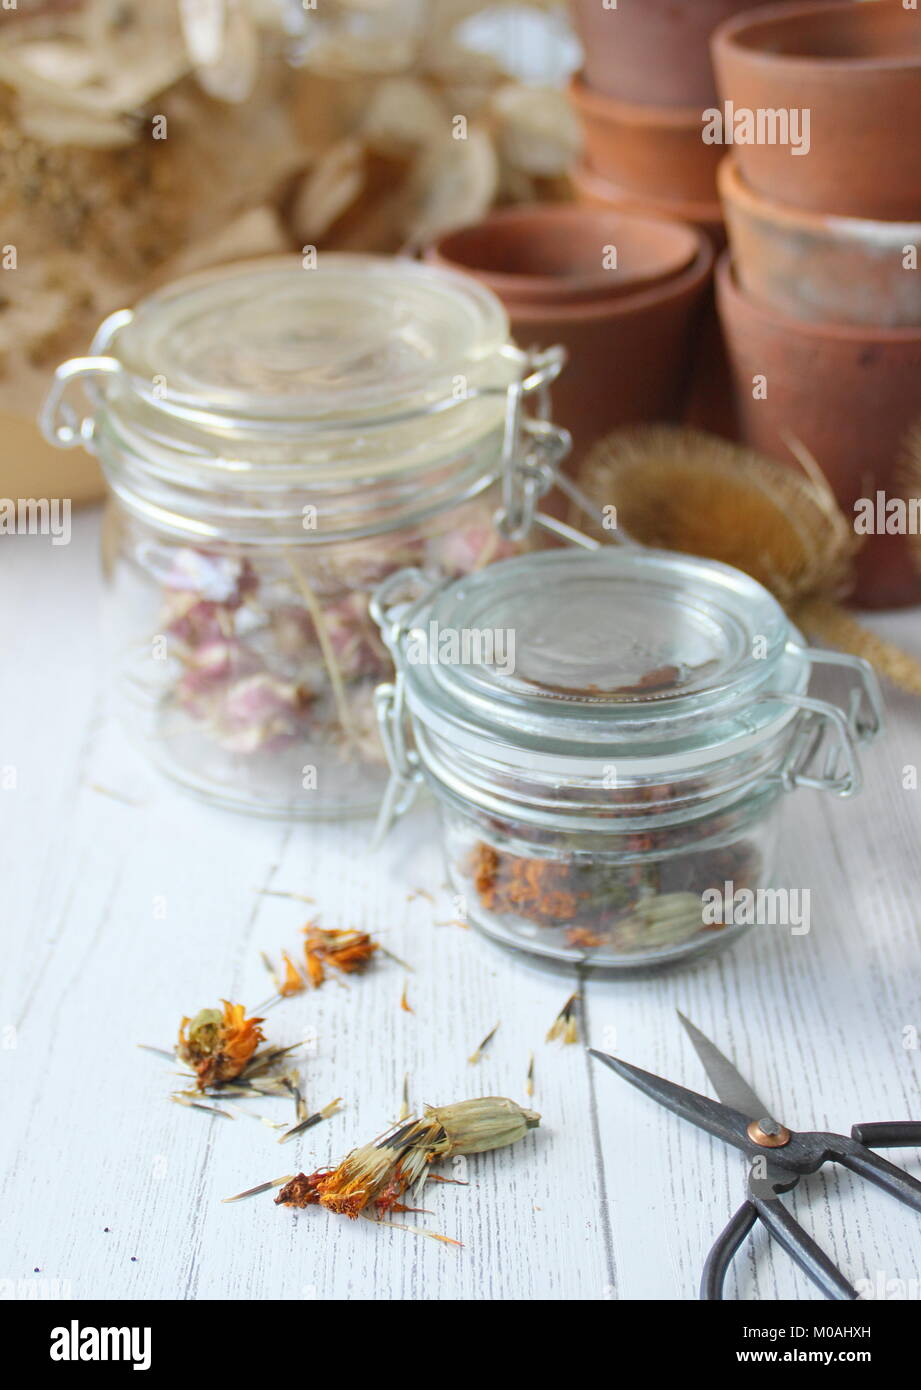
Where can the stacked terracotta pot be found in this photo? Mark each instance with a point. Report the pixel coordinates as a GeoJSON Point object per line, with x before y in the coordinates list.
{"type": "Point", "coordinates": [646, 81]}
{"type": "Point", "coordinates": [619, 290]}
{"type": "Point", "coordinates": [821, 300]}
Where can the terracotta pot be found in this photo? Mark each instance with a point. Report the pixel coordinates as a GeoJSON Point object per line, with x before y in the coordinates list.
{"type": "Point", "coordinates": [628, 355]}
{"type": "Point", "coordinates": [652, 50]}
{"type": "Point", "coordinates": [555, 253]}
{"type": "Point", "coordinates": [818, 267]}
{"type": "Point", "coordinates": [657, 151]}
{"type": "Point", "coordinates": [850, 395]}
{"type": "Point", "coordinates": [856, 68]}
{"type": "Point", "coordinates": [594, 191]}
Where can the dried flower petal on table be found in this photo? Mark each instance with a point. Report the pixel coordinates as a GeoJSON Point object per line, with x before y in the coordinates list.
{"type": "Point", "coordinates": [218, 1046]}
{"type": "Point", "coordinates": [566, 1024]}
{"type": "Point", "coordinates": [376, 1175]}
{"type": "Point", "coordinates": [349, 951]}
{"type": "Point", "coordinates": [293, 981]}
{"type": "Point", "coordinates": [478, 1052]}
{"type": "Point", "coordinates": [309, 1121]}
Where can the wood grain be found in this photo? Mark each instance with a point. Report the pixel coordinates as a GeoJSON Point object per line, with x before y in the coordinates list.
{"type": "Point", "coordinates": [129, 904]}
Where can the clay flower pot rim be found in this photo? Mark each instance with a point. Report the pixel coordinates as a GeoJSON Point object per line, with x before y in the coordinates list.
{"type": "Point", "coordinates": [588, 180]}
{"type": "Point", "coordinates": [633, 112]}
{"type": "Point", "coordinates": [563, 312]}
{"type": "Point", "coordinates": [845, 333]}
{"type": "Point", "coordinates": [729, 35]}
{"type": "Point", "coordinates": [733, 187]}
{"type": "Point", "coordinates": [524, 287]}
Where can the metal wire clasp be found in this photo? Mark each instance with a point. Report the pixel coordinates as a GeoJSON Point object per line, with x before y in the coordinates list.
{"type": "Point", "coordinates": [393, 607]}
{"type": "Point", "coordinates": [835, 730]}
{"type": "Point", "coordinates": [532, 448]}
{"type": "Point", "coordinates": [532, 452]}
{"type": "Point", "coordinates": [59, 420]}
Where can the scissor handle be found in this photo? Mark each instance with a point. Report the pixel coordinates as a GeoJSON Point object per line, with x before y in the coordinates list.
{"type": "Point", "coordinates": [879, 1171]}
{"type": "Point", "coordinates": [789, 1234]}
{"type": "Point", "coordinates": [854, 1154]}
{"type": "Point", "coordinates": [723, 1250]}
{"type": "Point", "coordinates": [897, 1134]}
{"type": "Point", "coordinates": [800, 1246]}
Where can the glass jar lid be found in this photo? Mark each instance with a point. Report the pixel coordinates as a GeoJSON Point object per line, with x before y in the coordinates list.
{"type": "Point", "coordinates": [343, 337]}
{"type": "Point", "coordinates": [619, 652]}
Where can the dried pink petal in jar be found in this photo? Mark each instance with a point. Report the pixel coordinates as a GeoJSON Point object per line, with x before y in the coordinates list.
{"type": "Point", "coordinates": [278, 438]}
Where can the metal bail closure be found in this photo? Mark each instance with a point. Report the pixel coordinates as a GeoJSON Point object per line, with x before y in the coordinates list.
{"type": "Point", "coordinates": [532, 451]}
{"type": "Point", "coordinates": [393, 607]}
{"type": "Point", "coordinates": [405, 772]}
{"type": "Point", "coordinates": [836, 731]}
{"type": "Point", "coordinates": [825, 727]}
{"type": "Point", "coordinates": [528, 471]}
{"type": "Point", "coordinates": [865, 718]}
{"type": "Point", "coordinates": [60, 421]}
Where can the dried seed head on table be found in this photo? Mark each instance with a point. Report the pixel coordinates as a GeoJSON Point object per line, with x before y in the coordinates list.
{"type": "Point", "coordinates": [376, 1175]}
{"type": "Point", "coordinates": [681, 489]}
{"type": "Point", "coordinates": [217, 1045]}
{"type": "Point", "coordinates": [220, 1046]}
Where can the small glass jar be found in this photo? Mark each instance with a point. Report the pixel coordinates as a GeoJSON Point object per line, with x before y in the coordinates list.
{"type": "Point", "coordinates": [609, 737]}
{"type": "Point", "coordinates": [278, 437]}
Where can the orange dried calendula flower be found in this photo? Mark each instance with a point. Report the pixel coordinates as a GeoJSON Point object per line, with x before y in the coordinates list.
{"type": "Point", "coordinates": [540, 889]}
{"type": "Point", "coordinates": [348, 951]}
{"type": "Point", "coordinates": [375, 1176]}
{"type": "Point", "coordinates": [218, 1045]}
{"type": "Point", "coordinates": [293, 981]}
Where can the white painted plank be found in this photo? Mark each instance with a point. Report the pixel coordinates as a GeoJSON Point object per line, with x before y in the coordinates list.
{"type": "Point", "coordinates": [129, 904]}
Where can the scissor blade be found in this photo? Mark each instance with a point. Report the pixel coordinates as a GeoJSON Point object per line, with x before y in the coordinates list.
{"type": "Point", "coordinates": [727, 1124]}
{"type": "Point", "coordinates": [732, 1088]}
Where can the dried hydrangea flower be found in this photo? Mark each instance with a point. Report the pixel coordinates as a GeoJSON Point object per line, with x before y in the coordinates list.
{"type": "Point", "coordinates": [217, 1045]}
{"type": "Point", "coordinates": [377, 1175]}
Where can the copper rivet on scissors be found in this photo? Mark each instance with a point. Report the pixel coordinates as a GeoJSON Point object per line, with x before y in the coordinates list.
{"type": "Point", "coordinates": [768, 1133]}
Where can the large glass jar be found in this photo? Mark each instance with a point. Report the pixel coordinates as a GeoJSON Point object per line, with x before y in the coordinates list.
{"type": "Point", "coordinates": [609, 737]}
{"type": "Point", "coordinates": [278, 437]}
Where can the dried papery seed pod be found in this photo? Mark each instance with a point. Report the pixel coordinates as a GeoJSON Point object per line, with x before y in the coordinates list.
{"type": "Point", "coordinates": [453, 183]}
{"type": "Point", "coordinates": [475, 1126]}
{"type": "Point", "coordinates": [223, 42]}
{"type": "Point", "coordinates": [329, 189]}
{"type": "Point", "coordinates": [681, 489]}
{"type": "Point", "coordinates": [403, 113]}
{"type": "Point", "coordinates": [536, 130]}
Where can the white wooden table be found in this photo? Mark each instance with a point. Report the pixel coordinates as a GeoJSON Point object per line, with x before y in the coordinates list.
{"type": "Point", "coordinates": [128, 904]}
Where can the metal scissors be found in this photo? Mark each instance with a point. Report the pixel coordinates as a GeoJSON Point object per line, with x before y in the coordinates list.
{"type": "Point", "coordinates": [778, 1158]}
